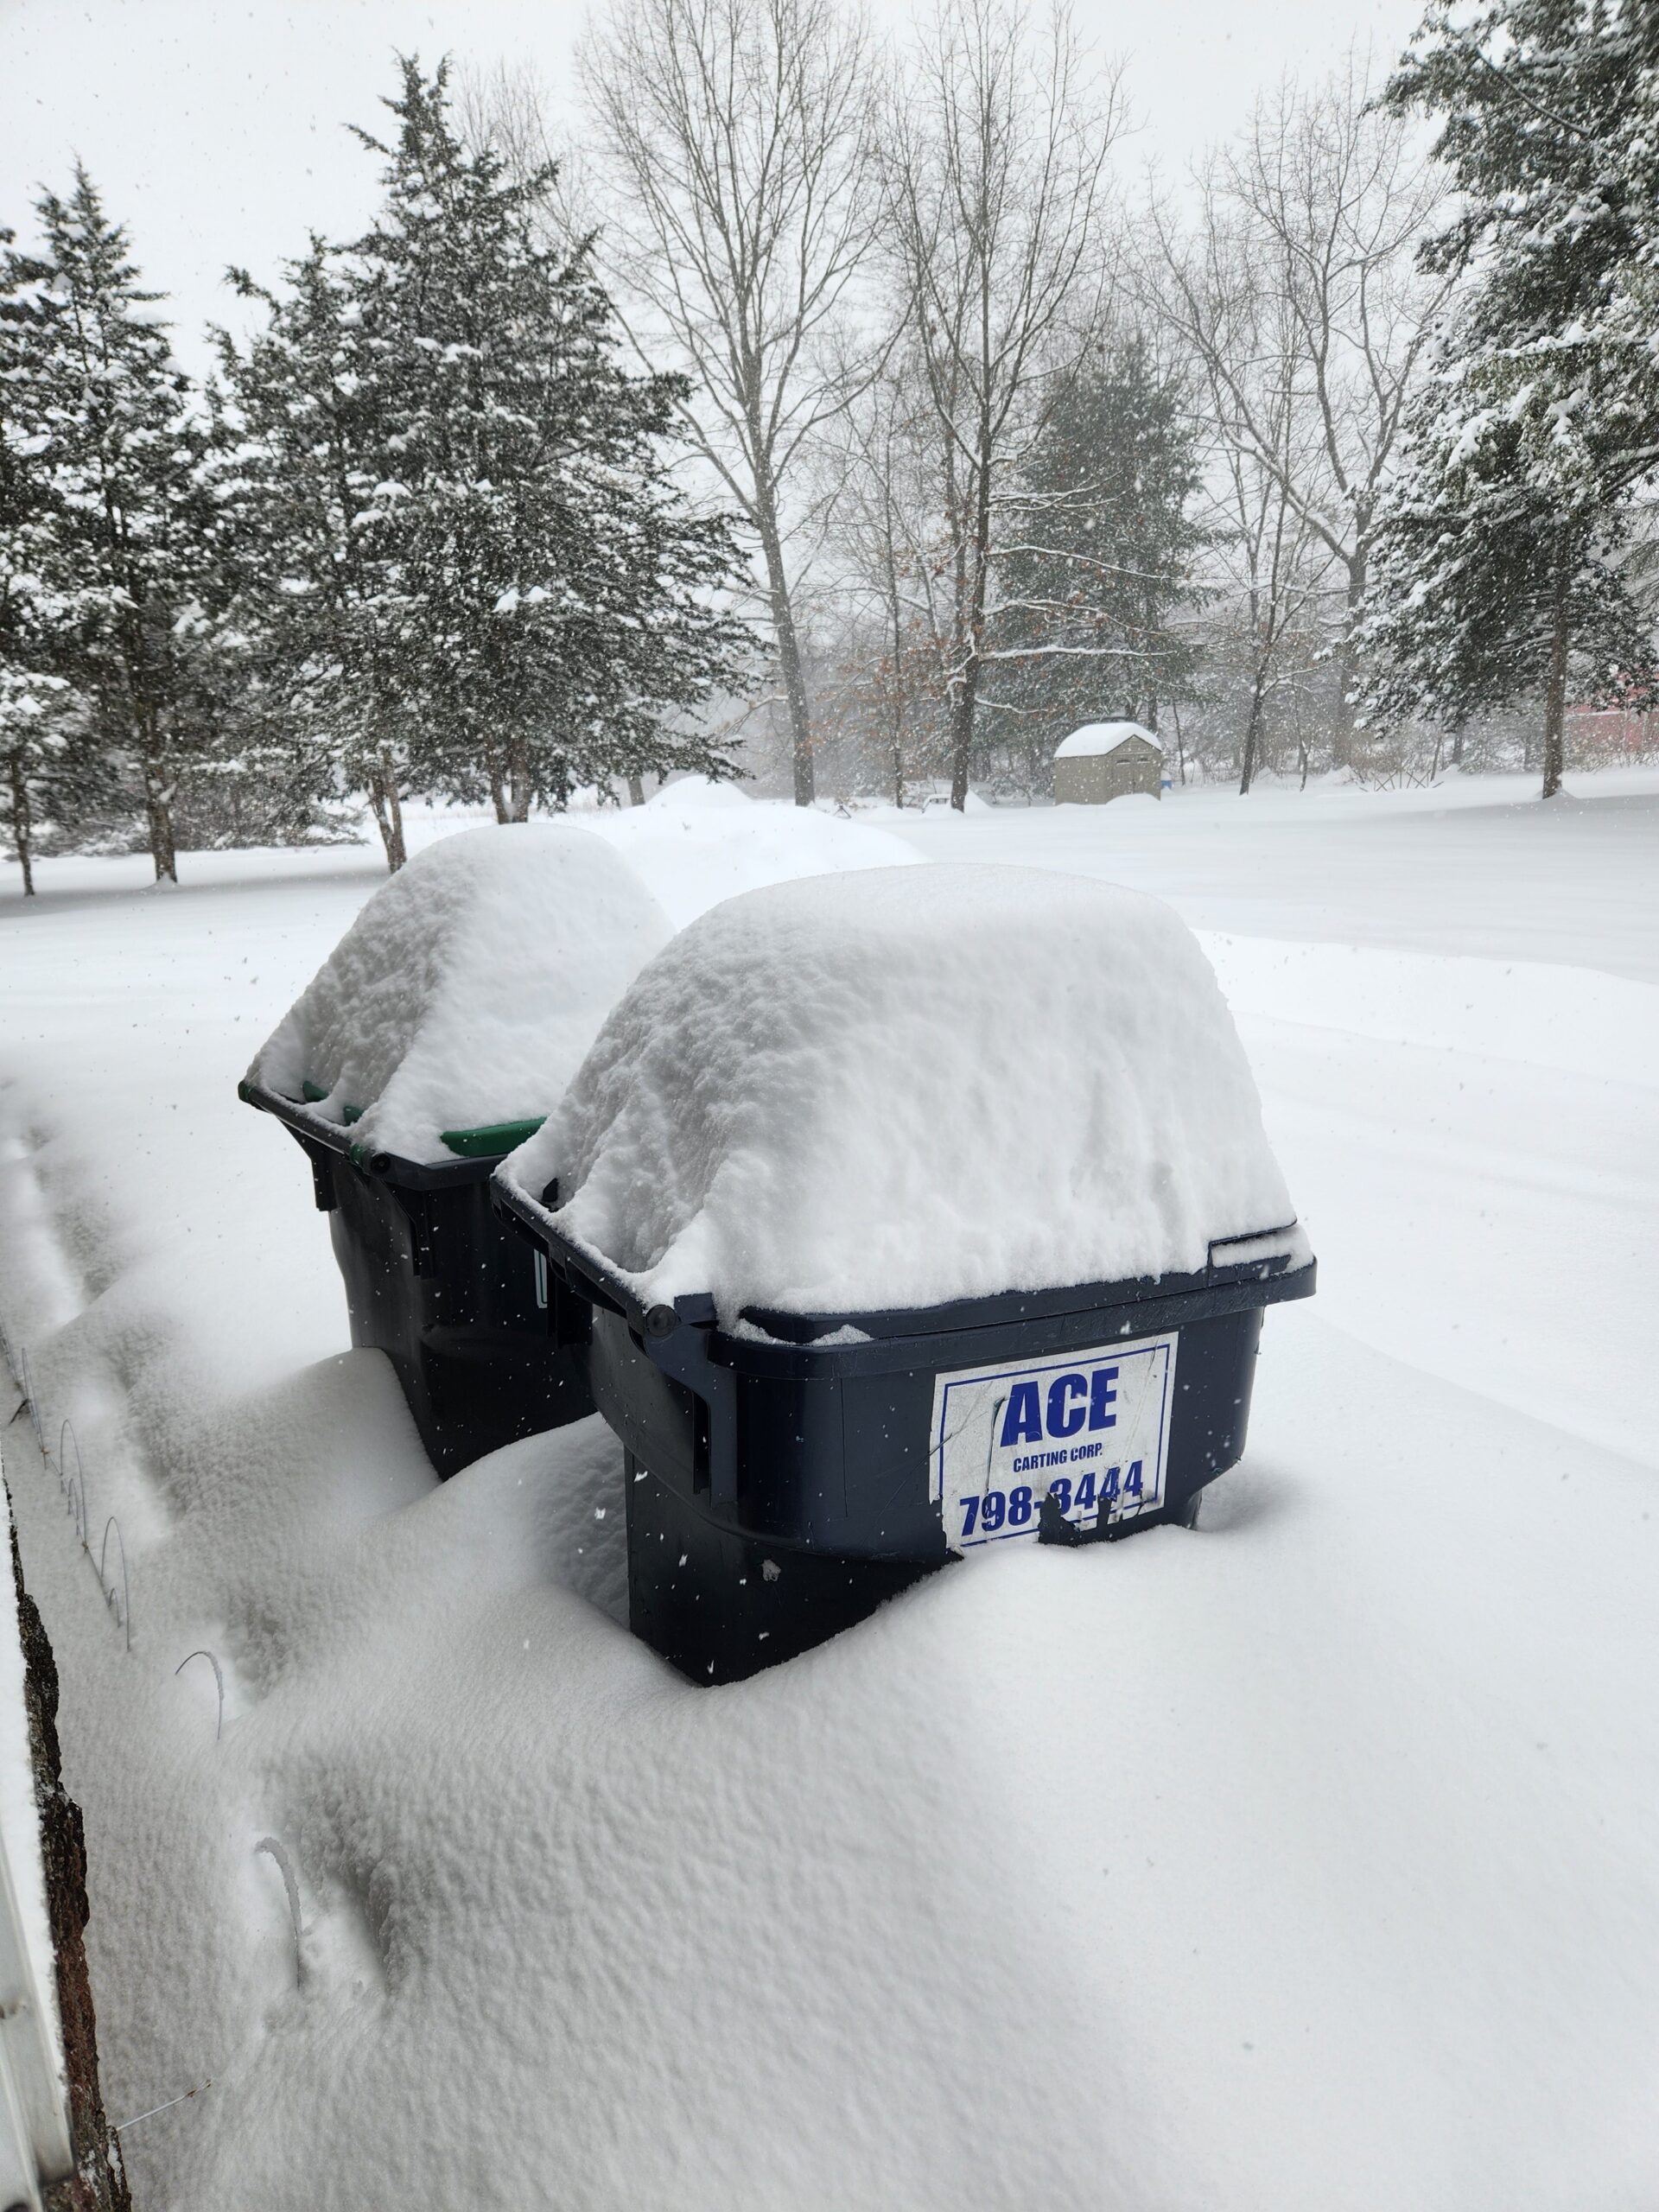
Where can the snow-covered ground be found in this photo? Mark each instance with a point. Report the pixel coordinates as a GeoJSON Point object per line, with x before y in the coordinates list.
{"type": "Point", "coordinates": [1303, 1862]}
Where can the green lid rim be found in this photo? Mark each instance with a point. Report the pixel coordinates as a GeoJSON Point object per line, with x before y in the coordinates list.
{"type": "Point", "coordinates": [494, 1139]}
{"type": "Point", "coordinates": [490, 1141]}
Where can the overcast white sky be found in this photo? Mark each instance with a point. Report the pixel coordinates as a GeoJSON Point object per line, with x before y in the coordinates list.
{"type": "Point", "coordinates": [215, 128]}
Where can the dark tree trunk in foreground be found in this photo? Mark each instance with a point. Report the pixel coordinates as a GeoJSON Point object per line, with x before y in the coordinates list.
{"type": "Point", "coordinates": [98, 2184]}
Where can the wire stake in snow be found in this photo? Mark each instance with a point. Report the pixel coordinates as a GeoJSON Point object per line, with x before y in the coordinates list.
{"type": "Point", "coordinates": [218, 1677]}
{"type": "Point", "coordinates": [272, 1849]}
{"type": "Point", "coordinates": [182, 2100]}
{"type": "Point", "coordinates": [124, 1613]}
{"type": "Point", "coordinates": [66, 1434]}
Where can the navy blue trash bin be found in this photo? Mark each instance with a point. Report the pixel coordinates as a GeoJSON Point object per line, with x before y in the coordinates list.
{"type": "Point", "coordinates": [474, 1324]}
{"type": "Point", "coordinates": [785, 1477]}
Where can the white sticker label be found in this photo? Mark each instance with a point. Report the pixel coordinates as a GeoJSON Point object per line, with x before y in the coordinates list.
{"type": "Point", "coordinates": [1090, 1429]}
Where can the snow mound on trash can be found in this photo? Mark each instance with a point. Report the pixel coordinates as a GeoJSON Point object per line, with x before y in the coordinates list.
{"type": "Point", "coordinates": [469, 988]}
{"type": "Point", "coordinates": [697, 842]}
{"type": "Point", "coordinates": [898, 1087]}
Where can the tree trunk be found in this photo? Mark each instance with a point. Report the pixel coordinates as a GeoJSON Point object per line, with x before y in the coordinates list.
{"type": "Point", "coordinates": [388, 810]}
{"type": "Point", "coordinates": [159, 813]}
{"type": "Point", "coordinates": [23, 827]}
{"type": "Point", "coordinates": [1181, 748]}
{"type": "Point", "coordinates": [636, 791]}
{"type": "Point", "coordinates": [1253, 731]}
{"type": "Point", "coordinates": [98, 2182]}
{"type": "Point", "coordinates": [789, 658]}
{"type": "Point", "coordinates": [961, 733]}
{"type": "Point", "coordinates": [896, 616]}
{"type": "Point", "coordinates": [1556, 691]}
{"type": "Point", "coordinates": [497, 790]}
{"type": "Point", "coordinates": [517, 777]}
{"type": "Point", "coordinates": [1348, 664]}
{"type": "Point", "coordinates": [967, 699]}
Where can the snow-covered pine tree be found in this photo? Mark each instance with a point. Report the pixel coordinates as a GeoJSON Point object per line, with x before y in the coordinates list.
{"type": "Point", "coordinates": [33, 699]}
{"type": "Point", "coordinates": [125, 554]}
{"type": "Point", "coordinates": [559, 604]}
{"type": "Point", "coordinates": [299, 472]}
{"type": "Point", "coordinates": [1507, 552]}
{"type": "Point", "coordinates": [464, 562]}
{"type": "Point", "coordinates": [1099, 563]}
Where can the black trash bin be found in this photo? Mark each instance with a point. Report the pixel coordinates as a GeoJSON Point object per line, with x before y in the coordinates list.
{"type": "Point", "coordinates": [464, 1313]}
{"type": "Point", "coordinates": [784, 1479]}
{"type": "Point", "coordinates": [919, 1211]}
{"type": "Point", "coordinates": [469, 990]}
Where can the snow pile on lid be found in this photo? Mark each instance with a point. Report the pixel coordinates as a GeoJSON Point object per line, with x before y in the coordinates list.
{"type": "Point", "coordinates": [695, 843]}
{"type": "Point", "coordinates": [894, 1088]}
{"type": "Point", "coordinates": [467, 990]}
{"type": "Point", "coordinates": [1102, 737]}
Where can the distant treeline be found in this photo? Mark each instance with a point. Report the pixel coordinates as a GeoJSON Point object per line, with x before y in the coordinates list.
{"type": "Point", "coordinates": [838, 415]}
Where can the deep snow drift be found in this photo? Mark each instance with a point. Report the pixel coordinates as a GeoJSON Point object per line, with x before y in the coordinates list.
{"type": "Point", "coordinates": [697, 843]}
{"type": "Point", "coordinates": [1301, 1863]}
{"type": "Point", "coordinates": [900, 1086]}
{"type": "Point", "coordinates": [469, 988]}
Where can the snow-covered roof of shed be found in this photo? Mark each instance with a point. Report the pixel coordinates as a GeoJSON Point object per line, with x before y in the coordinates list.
{"type": "Point", "coordinates": [1102, 737]}
{"type": "Point", "coordinates": [900, 1086]}
{"type": "Point", "coordinates": [467, 990]}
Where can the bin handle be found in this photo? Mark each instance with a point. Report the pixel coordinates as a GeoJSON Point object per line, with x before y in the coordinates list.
{"type": "Point", "coordinates": [674, 1341]}
{"type": "Point", "coordinates": [297, 1115]}
{"type": "Point", "coordinates": [613, 1288]}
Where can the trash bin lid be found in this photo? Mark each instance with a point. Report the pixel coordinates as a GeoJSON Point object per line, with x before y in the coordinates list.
{"type": "Point", "coordinates": [901, 1087]}
{"type": "Point", "coordinates": [452, 1014]}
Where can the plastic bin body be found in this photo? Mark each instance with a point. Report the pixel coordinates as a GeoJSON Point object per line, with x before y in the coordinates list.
{"type": "Point", "coordinates": [488, 1345]}
{"type": "Point", "coordinates": [780, 1486]}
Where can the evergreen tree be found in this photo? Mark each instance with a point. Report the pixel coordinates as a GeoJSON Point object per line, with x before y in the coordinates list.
{"type": "Point", "coordinates": [477, 568]}
{"type": "Point", "coordinates": [1507, 552]}
{"type": "Point", "coordinates": [34, 700]}
{"type": "Point", "coordinates": [1101, 563]}
{"type": "Point", "coordinates": [301, 450]}
{"type": "Point", "coordinates": [127, 552]}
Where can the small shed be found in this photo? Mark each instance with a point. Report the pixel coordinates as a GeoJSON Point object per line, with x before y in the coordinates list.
{"type": "Point", "coordinates": [1106, 760]}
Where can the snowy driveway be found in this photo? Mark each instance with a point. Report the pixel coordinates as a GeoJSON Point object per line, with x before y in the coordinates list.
{"type": "Point", "coordinates": [1300, 1864]}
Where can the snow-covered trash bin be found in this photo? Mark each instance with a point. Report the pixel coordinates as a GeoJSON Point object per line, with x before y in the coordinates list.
{"type": "Point", "coordinates": [921, 1211]}
{"type": "Point", "coordinates": [440, 1030]}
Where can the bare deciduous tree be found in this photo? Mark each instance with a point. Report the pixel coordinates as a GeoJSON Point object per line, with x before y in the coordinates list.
{"type": "Point", "coordinates": [1265, 456]}
{"type": "Point", "coordinates": [884, 514]}
{"type": "Point", "coordinates": [1316, 212]}
{"type": "Point", "coordinates": [738, 136]}
{"type": "Point", "coordinates": [996, 156]}
{"type": "Point", "coordinates": [507, 110]}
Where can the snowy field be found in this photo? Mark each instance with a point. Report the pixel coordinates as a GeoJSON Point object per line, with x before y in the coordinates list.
{"type": "Point", "coordinates": [1302, 1863]}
